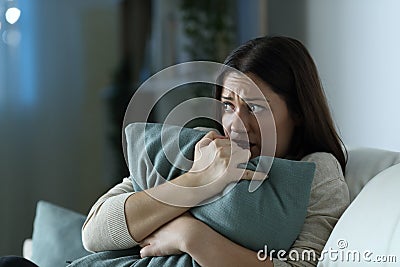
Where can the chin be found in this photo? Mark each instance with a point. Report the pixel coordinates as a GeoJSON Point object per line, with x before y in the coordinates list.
{"type": "Point", "coordinates": [255, 152]}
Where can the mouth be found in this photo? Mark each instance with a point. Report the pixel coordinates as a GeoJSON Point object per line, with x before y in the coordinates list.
{"type": "Point", "coordinates": [243, 144]}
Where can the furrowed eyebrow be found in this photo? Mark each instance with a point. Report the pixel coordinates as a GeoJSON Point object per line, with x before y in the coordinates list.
{"type": "Point", "coordinates": [255, 99]}
{"type": "Point", "coordinates": [246, 99]}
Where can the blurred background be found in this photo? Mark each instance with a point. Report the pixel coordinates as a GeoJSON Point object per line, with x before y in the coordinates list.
{"type": "Point", "coordinates": [68, 69]}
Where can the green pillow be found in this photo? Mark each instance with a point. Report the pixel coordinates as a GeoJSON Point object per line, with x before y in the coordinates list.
{"type": "Point", "coordinates": [56, 236]}
{"type": "Point", "coordinates": [271, 216]}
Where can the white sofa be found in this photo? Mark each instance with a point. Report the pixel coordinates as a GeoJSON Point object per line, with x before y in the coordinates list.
{"type": "Point", "coordinates": [368, 233]}
{"type": "Point", "coordinates": [372, 221]}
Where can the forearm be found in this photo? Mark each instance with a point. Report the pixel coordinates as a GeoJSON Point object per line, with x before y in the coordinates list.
{"type": "Point", "coordinates": [211, 249]}
{"type": "Point", "coordinates": [144, 214]}
{"type": "Point", "coordinates": [117, 216]}
{"type": "Point", "coordinates": [147, 210]}
{"type": "Point", "coordinates": [121, 217]}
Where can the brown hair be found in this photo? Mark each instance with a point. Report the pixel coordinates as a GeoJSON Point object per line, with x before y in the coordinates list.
{"type": "Point", "coordinates": [287, 67]}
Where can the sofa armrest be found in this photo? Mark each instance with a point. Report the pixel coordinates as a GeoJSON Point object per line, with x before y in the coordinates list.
{"type": "Point", "coordinates": [27, 249]}
{"type": "Point", "coordinates": [364, 164]}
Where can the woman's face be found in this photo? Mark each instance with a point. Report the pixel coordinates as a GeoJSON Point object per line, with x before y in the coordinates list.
{"type": "Point", "coordinates": [250, 114]}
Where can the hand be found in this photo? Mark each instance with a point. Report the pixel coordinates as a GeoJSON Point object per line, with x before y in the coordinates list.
{"type": "Point", "coordinates": [216, 159]}
{"type": "Point", "coordinates": [171, 238]}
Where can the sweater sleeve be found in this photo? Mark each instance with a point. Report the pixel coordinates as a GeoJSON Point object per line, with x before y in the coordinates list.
{"type": "Point", "coordinates": [105, 227]}
{"type": "Point", "coordinates": [328, 200]}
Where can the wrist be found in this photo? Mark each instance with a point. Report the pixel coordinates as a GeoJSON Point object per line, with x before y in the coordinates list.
{"type": "Point", "coordinates": [201, 183]}
{"type": "Point", "coordinates": [189, 179]}
{"type": "Point", "coordinates": [193, 238]}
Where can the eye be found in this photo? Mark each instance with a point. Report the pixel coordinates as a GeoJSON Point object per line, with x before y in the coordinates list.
{"type": "Point", "coordinates": [228, 107]}
{"type": "Point", "coordinates": [253, 108]}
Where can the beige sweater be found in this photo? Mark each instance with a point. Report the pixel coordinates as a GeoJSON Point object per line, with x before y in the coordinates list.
{"type": "Point", "coordinates": [105, 227]}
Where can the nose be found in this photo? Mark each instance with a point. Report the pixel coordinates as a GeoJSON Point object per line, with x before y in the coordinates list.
{"type": "Point", "coordinates": [241, 121]}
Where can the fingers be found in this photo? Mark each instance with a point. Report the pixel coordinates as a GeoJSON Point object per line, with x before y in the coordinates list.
{"type": "Point", "coordinates": [208, 138]}
{"type": "Point", "coordinates": [222, 142]}
{"type": "Point", "coordinates": [231, 151]}
{"type": "Point", "coordinates": [144, 242]}
{"type": "Point", "coordinates": [212, 135]}
{"type": "Point", "coordinates": [147, 251]}
{"type": "Point", "coordinates": [252, 175]}
{"type": "Point", "coordinates": [242, 155]}
{"type": "Point", "coordinates": [216, 146]}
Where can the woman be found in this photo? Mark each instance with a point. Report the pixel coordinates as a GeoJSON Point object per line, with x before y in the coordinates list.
{"type": "Point", "coordinates": [287, 77]}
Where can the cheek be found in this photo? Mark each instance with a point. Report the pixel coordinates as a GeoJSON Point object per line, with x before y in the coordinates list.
{"type": "Point", "coordinates": [266, 125]}
{"type": "Point", "coordinates": [226, 122]}
{"type": "Point", "coordinates": [267, 135]}
{"type": "Point", "coordinates": [285, 125]}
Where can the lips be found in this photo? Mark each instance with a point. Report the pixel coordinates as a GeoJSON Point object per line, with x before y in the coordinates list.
{"type": "Point", "coordinates": [243, 143]}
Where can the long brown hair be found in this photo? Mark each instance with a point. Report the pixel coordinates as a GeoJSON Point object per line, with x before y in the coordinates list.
{"type": "Point", "coordinates": [287, 67]}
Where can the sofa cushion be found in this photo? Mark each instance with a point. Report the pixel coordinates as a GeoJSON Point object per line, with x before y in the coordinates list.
{"type": "Point", "coordinates": [56, 235]}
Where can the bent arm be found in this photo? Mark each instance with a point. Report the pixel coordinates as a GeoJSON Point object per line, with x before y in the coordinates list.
{"type": "Point", "coordinates": [121, 218]}
{"type": "Point", "coordinates": [105, 227]}
{"type": "Point", "coordinates": [145, 213]}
